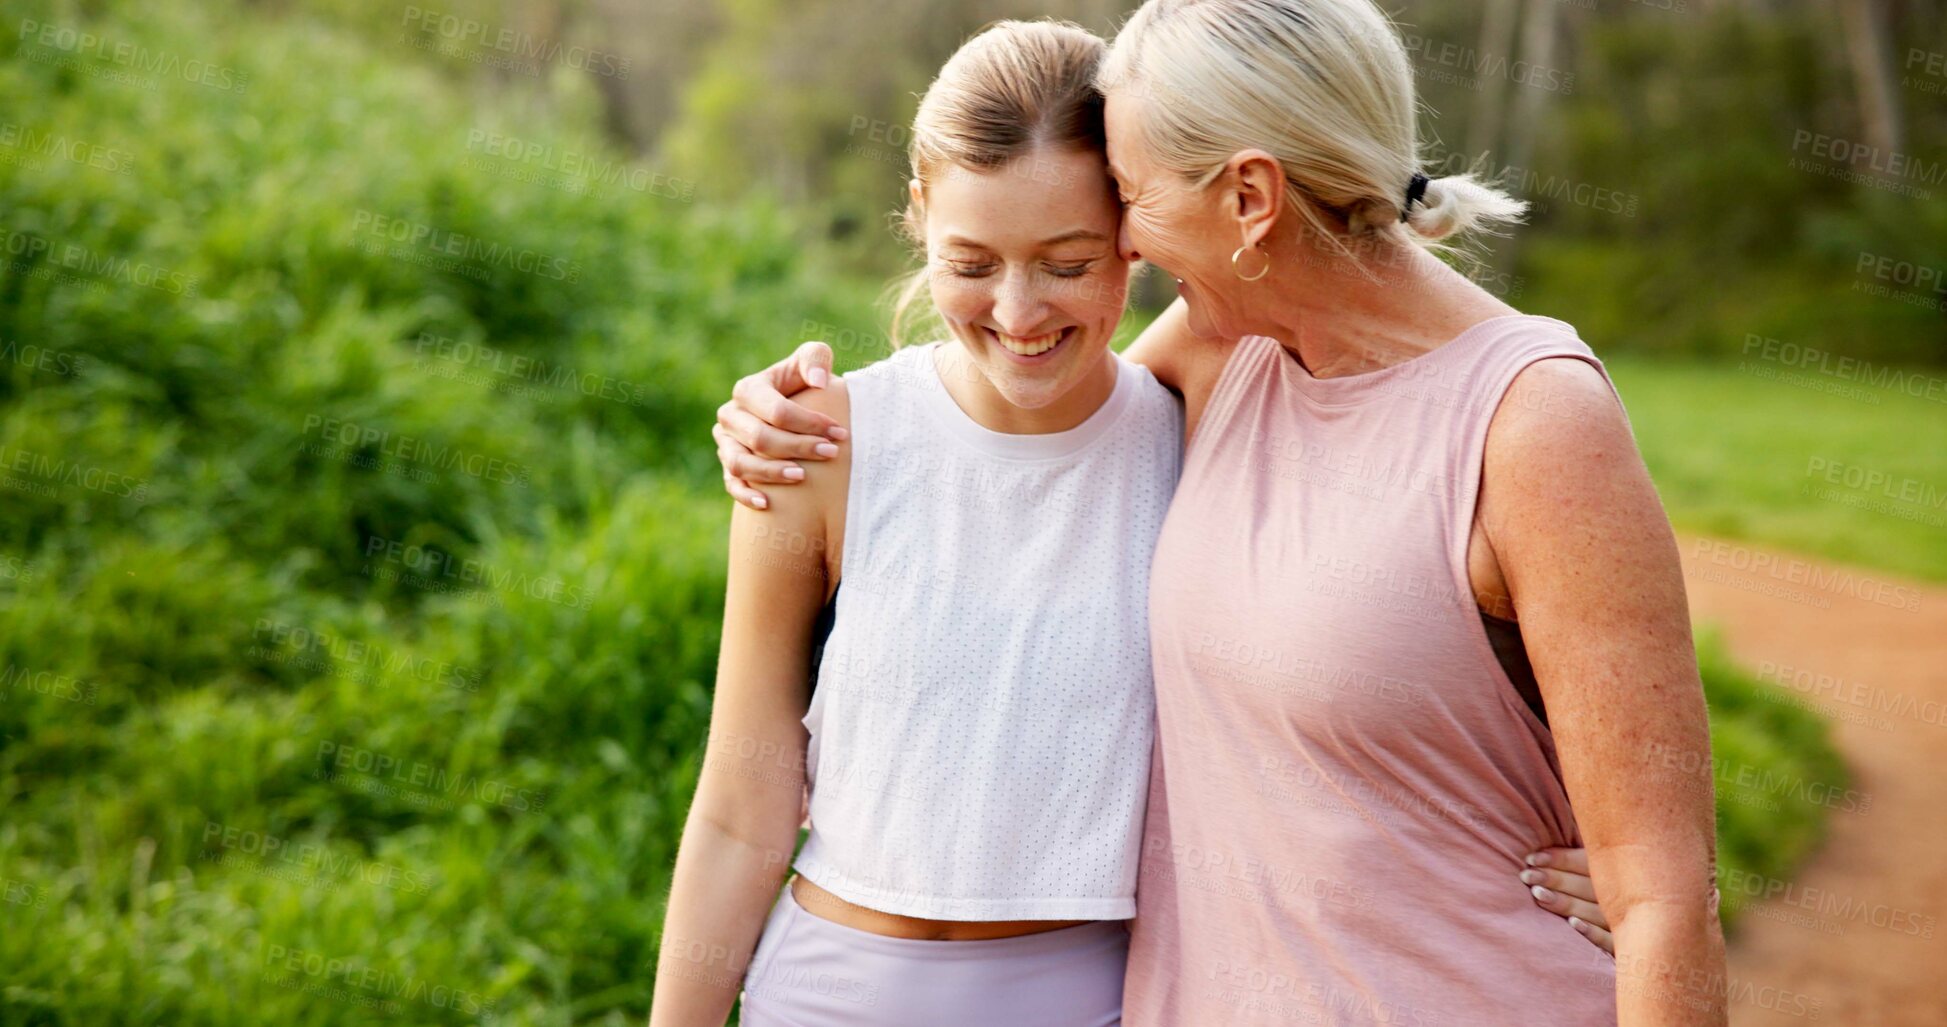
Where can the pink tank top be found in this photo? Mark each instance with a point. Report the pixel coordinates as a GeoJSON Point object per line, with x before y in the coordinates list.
{"type": "Point", "coordinates": [1345, 781]}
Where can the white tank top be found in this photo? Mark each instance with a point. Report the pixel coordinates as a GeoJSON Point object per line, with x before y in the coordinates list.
{"type": "Point", "coordinates": [981, 727]}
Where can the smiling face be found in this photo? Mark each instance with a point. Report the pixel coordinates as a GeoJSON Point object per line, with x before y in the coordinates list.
{"type": "Point", "coordinates": [1023, 269]}
{"type": "Point", "coordinates": [1175, 225]}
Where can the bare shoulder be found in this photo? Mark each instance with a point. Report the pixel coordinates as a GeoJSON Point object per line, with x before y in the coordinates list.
{"type": "Point", "coordinates": [1562, 479]}
{"type": "Point", "coordinates": [1558, 416]}
{"type": "Point", "coordinates": [834, 401]}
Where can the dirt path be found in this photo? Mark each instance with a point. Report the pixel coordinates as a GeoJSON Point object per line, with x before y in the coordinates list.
{"type": "Point", "coordinates": [1857, 937]}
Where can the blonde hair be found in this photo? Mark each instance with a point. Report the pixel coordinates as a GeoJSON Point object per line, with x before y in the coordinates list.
{"type": "Point", "coordinates": [1011, 88]}
{"type": "Point", "coordinates": [1322, 85]}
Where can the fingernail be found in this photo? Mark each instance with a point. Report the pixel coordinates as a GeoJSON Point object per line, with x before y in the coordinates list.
{"type": "Point", "coordinates": [825, 449]}
{"type": "Point", "coordinates": [797, 474]}
{"type": "Point", "coordinates": [838, 434]}
{"type": "Point", "coordinates": [1542, 894]}
{"type": "Point", "coordinates": [1537, 859]}
{"type": "Point", "coordinates": [1579, 924]}
{"type": "Point", "coordinates": [1533, 877]}
{"type": "Point", "coordinates": [816, 378]}
{"type": "Point", "coordinates": [761, 503]}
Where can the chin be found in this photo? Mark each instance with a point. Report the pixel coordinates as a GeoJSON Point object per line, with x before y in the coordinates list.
{"type": "Point", "coordinates": [1030, 394]}
{"type": "Point", "coordinates": [1200, 325]}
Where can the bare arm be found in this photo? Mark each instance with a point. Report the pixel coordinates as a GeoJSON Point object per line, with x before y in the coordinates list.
{"type": "Point", "coordinates": [1591, 565]}
{"type": "Point", "coordinates": [1185, 364]}
{"type": "Point", "coordinates": [743, 821]}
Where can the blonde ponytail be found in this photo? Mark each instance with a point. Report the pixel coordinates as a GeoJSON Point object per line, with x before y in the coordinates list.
{"type": "Point", "coordinates": [1455, 204]}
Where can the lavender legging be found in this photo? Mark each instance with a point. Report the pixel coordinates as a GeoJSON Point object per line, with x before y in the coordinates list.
{"type": "Point", "coordinates": [810, 972]}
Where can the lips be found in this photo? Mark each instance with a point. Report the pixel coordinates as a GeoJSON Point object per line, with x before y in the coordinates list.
{"type": "Point", "coordinates": [1030, 346]}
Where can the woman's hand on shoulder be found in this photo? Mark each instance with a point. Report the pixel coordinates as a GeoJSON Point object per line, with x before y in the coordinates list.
{"type": "Point", "coordinates": [825, 481]}
{"type": "Point", "coordinates": [769, 423]}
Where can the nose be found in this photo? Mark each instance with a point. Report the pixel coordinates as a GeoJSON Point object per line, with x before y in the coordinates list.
{"type": "Point", "coordinates": [1125, 247]}
{"type": "Point", "coordinates": [1019, 308]}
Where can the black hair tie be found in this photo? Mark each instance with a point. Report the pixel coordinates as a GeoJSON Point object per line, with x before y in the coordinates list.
{"type": "Point", "coordinates": [1415, 190]}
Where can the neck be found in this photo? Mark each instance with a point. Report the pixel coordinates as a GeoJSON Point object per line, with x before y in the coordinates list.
{"type": "Point", "coordinates": [1342, 316]}
{"type": "Point", "coordinates": [990, 409]}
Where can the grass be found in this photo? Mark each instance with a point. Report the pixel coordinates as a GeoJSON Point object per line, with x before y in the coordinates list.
{"type": "Point", "coordinates": [1822, 463]}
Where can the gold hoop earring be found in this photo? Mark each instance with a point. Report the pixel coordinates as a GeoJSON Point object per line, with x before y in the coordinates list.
{"type": "Point", "coordinates": [1240, 274]}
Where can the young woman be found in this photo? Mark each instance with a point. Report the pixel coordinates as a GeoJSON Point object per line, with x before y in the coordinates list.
{"type": "Point", "coordinates": [978, 742]}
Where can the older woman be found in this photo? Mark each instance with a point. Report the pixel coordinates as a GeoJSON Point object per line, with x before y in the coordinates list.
{"type": "Point", "coordinates": [1416, 609]}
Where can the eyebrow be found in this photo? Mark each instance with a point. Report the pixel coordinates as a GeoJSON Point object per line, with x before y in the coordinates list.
{"type": "Point", "coordinates": [1079, 233]}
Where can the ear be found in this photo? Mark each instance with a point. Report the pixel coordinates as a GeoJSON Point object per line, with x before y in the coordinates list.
{"type": "Point", "coordinates": [915, 193]}
{"type": "Point", "coordinates": [1255, 185]}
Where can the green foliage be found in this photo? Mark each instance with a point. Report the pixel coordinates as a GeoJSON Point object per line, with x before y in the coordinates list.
{"type": "Point", "coordinates": [1777, 776]}
{"type": "Point", "coordinates": [1728, 220]}
{"type": "Point", "coordinates": [289, 555]}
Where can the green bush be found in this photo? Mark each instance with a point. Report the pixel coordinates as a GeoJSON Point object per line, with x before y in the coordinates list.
{"type": "Point", "coordinates": [1777, 775]}
{"type": "Point", "coordinates": [270, 529]}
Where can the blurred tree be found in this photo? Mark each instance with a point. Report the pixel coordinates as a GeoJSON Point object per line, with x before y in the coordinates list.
{"type": "Point", "coordinates": [664, 41]}
{"type": "Point", "coordinates": [812, 100]}
{"type": "Point", "coordinates": [1538, 35]}
{"type": "Point", "coordinates": [1497, 36]}
{"type": "Point", "coordinates": [1872, 71]}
